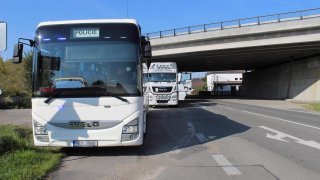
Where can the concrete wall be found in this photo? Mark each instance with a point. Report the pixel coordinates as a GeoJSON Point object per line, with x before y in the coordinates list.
{"type": "Point", "coordinates": [299, 81]}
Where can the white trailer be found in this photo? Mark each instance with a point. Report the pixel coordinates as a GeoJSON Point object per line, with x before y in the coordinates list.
{"type": "Point", "coordinates": [163, 86]}
{"type": "Point", "coordinates": [87, 83]}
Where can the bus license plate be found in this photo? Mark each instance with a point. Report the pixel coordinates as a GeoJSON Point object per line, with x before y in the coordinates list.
{"type": "Point", "coordinates": [77, 143]}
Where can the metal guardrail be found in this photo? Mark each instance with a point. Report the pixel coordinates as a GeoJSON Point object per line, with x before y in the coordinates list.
{"type": "Point", "coordinates": [252, 21]}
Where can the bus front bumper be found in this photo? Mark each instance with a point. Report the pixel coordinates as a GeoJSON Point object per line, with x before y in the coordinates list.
{"type": "Point", "coordinates": [90, 143]}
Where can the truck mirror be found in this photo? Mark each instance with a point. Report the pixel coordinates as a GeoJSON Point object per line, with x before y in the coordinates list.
{"type": "Point", "coordinates": [0, 91]}
{"type": "Point", "coordinates": [17, 53]}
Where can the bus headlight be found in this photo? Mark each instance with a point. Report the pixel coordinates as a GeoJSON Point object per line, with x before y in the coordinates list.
{"type": "Point", "coordinates": [130, 131]}
{"type": "Point", "coordinates": [40, 132]}
{"type": "Point", "coordinates": [39, 129]}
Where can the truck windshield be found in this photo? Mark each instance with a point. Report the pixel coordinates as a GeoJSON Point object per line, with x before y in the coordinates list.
{"type": "Point", "coordinates": [162, 77]}
{"type": "Point", "coordinates": [83, 57]}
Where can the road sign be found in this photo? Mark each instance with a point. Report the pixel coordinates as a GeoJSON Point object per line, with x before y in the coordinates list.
{"type": "Point", "coordinates": [3, 36]}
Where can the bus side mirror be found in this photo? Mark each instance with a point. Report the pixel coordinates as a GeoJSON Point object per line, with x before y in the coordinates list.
{"type": "Point", "coordinates": [146, 47]}
{"type": "Point", "coordinates": [147, 50]}
{"type": "Point", "coordinates": [17, 53]}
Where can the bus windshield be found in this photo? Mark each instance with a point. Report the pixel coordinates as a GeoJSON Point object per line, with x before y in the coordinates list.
{"type": "Point", "coordinates": [96, 60]}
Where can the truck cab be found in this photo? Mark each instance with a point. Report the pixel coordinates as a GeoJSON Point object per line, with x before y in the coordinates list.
{"type": "Point", "coordinates": [163, 84]}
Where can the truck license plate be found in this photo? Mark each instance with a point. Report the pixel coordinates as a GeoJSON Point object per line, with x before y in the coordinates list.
{"type": "Point", "coordinates": [78, 143]}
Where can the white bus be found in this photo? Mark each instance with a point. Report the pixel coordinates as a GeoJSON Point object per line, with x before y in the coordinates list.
{"type": "Point", "coordinates": [163, 90]}
{"type": "Point", "coordinates": [87, 83]}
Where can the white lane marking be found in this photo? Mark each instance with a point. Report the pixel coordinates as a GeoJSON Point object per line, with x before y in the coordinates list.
{"type": "Point", "coordinates": [155, 173]}
{"type": "Point", "coordinates": [204, 107]}
{"type": "Point", "coordinates": [313, 113]}
{"type": "Point", "coordinates": [185, 140]}
{"type": "Point", "coordinates": [280, 136]}
{"type": "Point", "coordinates": [175, 150]}
{"type": "Point", "coordinates": [306, 125]}
{"type": "Point", "coordinates": [225, 107]}
{"type": "Point", "coordinates": [300, 111]}
{"type": "Point", "coordinates": [226, 165]}
{"type": "Point", "coordinates": [191, 130]}
{"type": "Point", "coordinates": [201, 137]}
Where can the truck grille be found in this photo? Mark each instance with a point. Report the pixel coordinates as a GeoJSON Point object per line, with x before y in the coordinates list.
{"type": "Point", "coordinates": [162, 89]}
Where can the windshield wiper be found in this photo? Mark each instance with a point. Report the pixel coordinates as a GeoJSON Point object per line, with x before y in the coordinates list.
{"type": "Point", "coordinates": [104, 90]}
{"type": "Point", "coordinates": [118, 97]}
{"type": "Point", "coordinates": [57, 93]}
{"type": "Point", "coordinates": [54, 95]}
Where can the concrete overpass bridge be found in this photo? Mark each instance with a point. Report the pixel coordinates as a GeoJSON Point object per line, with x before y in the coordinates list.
{"type": "Point", "coordinates": [283, 47]}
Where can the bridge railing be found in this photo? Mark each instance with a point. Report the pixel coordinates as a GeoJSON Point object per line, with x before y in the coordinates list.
{"type": "Point", "coordinates": [252, 21]}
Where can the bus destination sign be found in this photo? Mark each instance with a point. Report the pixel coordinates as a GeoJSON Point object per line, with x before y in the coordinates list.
{"type": "Point", "coordinates": [84, 33]}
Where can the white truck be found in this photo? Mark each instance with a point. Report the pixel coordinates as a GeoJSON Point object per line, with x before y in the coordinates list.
{"type": "Point", "coordinates": [145, 85]}
{"type": "Point", "coordinates": [184, 85]}
{"type": "Point", "coordinates": [163, 84]}
{"type": "Point", "coordinates": [87, 83]}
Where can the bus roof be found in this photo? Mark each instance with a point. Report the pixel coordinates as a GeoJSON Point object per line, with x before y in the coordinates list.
{"type": "Point", "coordinates": [88, 21]}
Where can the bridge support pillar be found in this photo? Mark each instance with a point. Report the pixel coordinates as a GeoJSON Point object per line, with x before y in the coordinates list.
{"type": "Point", "coordinates": [298, 80]}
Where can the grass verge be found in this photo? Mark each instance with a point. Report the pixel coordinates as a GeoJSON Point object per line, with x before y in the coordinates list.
{"type": "Point", "coordinates": [20, 159]}
{"type": "Point", "coordinates": [313, 106]}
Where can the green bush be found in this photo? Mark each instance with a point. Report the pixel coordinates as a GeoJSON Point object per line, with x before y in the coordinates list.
{"type": "Point", "coordinates": [15, 83]}
{"type": "Point", "coordinates": [20, 159]}
{"type": "Point", "coordinates": [14, 138]}
{"type": "Point", "coordinates": [15, 102]}
{"type": "Point", "coordinates": [8, 144]}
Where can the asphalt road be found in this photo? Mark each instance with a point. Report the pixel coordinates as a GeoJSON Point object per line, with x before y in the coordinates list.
{"type": "Point", "coordinates": [209, 139]}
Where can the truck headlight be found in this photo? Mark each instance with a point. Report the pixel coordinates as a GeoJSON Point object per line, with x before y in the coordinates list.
{"type": "Point", "coordinates": [130, 131]}
{"type": "Point", "coordinates": [174, 97]}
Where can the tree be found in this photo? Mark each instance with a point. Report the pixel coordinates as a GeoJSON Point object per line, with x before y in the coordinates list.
{"type": "Point", "coordinates": [2, 67]}
{"type": "Point", "coordinates": [27, 64]}
{"type": "Point", "coordinates": [15, 79]}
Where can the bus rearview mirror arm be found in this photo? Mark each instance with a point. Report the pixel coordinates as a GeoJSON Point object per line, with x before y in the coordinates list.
{"type": "Point", "coordinates": [18, 49]}
{"type": "Point", "coordinates": [146, 47]}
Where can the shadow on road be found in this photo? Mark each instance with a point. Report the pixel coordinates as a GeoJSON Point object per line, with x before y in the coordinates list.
{"type": "Point", "coordinates": [173, 128]}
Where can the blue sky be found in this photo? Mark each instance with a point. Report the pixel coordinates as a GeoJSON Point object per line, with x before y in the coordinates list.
{"type": "Point", "coordinates": [23, 16]}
